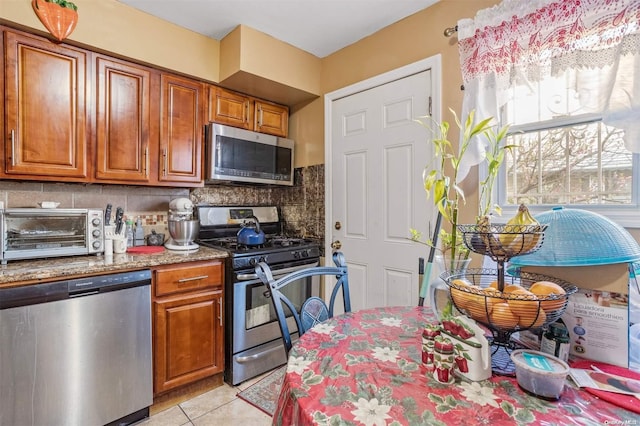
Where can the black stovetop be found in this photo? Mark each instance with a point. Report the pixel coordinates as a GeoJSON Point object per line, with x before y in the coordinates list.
{"type": "Point", "coordinates": [271, 242]}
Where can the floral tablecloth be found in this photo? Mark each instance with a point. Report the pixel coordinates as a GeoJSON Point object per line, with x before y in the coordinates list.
{"type": "Point", "coordinates": [364, 368]}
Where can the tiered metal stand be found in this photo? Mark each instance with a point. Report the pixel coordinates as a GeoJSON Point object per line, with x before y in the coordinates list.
{"type": "Point", "coordinates": [476, 291]}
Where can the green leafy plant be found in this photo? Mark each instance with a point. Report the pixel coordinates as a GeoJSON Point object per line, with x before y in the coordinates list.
{"type": "Point", "coordinates": [441, 181]}
{"type": "Point", "coordinates": [64, 3]}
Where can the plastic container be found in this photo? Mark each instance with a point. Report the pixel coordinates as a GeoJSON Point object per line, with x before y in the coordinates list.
{"type": "Point", "coordinates": [540, 373]}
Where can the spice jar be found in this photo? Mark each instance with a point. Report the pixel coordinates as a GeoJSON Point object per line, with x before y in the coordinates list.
{"type": "Point", "coordinates": [555, 341]}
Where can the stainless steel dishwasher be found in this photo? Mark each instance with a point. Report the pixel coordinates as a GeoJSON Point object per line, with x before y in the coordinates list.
{"type": "Point", "coordinates": [76, 352]}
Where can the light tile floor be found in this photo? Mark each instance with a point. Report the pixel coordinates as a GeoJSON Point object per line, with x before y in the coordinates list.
{"type": "Point", "coordinates": [220, 406]}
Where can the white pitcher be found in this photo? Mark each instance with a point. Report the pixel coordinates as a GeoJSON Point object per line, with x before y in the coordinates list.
{"type": "Point", "coordinates": [472, 355]}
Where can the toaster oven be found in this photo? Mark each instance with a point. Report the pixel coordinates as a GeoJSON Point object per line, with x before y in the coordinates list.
{"type": "Point", "coordinates": [32, 233]}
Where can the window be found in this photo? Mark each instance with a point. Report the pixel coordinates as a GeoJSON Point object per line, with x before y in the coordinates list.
{"type": "Point", "coordinates": [564, 74]}
{"type": "Point", "coordinates": [566, 155]}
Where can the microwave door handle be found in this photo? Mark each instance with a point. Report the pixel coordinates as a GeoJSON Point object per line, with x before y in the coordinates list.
{"type": "Point", "coordinates": [277, 273]}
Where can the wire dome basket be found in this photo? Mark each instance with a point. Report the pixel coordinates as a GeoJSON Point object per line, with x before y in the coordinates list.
{"type": "Point", "coordinates": [577, 237]}
{"type": "Point", "coordinates": [524, 303]}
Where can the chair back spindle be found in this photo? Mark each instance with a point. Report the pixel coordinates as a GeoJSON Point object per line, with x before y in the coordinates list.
{"type": "Point", "coordinates": [313, 310]}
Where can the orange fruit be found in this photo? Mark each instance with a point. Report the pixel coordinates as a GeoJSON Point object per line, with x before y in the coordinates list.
{"type": "Point", "coordinates": [502, 317]}
{"type": "Point", "coordinates": [510, 287]}
{"type": "Point", "coordinates": [477, 305]}
{"type": "Point", "coordinates": [523, 303]}
{"type": "Point", "coordinates": [529, 322]}
{"type": "Point", "coordinates": [459, 296]}
{"type": "Point", "coordinates": [492, 296]}
{"type": "Point", "coordinates": [545, 288]}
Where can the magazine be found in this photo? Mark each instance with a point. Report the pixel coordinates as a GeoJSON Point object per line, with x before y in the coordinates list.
{"type": "Point", "coordinates": [598, 379]}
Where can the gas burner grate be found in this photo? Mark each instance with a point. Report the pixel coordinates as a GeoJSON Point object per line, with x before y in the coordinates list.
{"type": "Point", "coordinates": [278, 241]}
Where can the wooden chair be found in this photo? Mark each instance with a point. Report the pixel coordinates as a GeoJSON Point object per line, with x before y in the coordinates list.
{"type": "Point", "coordinates": [313, 310]}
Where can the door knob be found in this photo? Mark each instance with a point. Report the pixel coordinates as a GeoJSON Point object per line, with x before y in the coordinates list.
{"type": "Point", "coordinates": [336, 245]}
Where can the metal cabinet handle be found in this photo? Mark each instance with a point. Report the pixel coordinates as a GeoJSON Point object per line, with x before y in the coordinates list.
{"type": "Point", "coordinates": [164, 163]}
{"type": "Point", "coordinates": [13, 147]}
{"type": "Point", "coordinates": [201, 277]}
{"type": "Point", "coordinates": [246, 108]}
{"type": "Point", "coordinates": [146, 161]}
{"type": "Point", "coordinates": [260, 117]}
{"type": "Point", "coordinates": [220, 310]}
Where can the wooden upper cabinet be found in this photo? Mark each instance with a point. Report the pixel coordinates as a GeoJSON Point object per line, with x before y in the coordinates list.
{"type": "Point", "coordinates": [181, 130]}
{"type": "Point", "coordinates": [45, 110]}
{"type": "Point", "coordinates": [230, 108]}
{"type": "Point", "coordinates": [238, 110]}
{"type": "Point", "coordinates": [271, 118]}
{"type": "Point", "coordinates": [123, 98]}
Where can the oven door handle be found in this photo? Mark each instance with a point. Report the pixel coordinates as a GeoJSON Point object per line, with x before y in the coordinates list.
{"type": "Point", "coordinates": [277, 273]}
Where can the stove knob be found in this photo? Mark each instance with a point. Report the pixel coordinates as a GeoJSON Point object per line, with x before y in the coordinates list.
{"type": "Point", "coordinates": [252, 261]}
{"type": "Point", "coordinates": [305, 253]}
{"type": "Point", "coordinates": [263, 258]}
{"type": "Point", "coordinates": [296, 255]}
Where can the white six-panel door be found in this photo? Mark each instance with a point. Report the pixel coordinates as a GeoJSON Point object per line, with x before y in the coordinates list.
{"type": "Point", "coordinates": [375, 191]}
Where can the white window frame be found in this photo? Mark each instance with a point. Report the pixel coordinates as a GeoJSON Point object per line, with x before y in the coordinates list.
{"type": "Point", "coordinates": [626, 216]}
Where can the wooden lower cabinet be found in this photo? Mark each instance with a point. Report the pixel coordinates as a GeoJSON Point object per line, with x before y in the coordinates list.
{"type": "Point", "coordinates": [188, 323]}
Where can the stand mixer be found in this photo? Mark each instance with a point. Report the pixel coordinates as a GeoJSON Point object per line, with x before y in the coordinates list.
{"type": "Point", "coordinates": [183, 227]}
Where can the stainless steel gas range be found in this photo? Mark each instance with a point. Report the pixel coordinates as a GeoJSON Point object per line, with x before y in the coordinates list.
{"type": "Point", "coordinates": [253, 344]}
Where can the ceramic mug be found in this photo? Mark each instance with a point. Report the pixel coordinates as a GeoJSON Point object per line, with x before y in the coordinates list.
{"type": "Point", "coordinates": [119, 245]}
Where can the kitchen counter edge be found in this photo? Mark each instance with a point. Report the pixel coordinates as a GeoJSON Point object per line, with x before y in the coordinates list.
{"type": "Point", "coordinates": [26, 272]}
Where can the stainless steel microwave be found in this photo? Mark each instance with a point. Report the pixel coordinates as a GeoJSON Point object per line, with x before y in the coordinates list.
{"type": "Point", "coordinates": [32, 233]}
{"type": "Point", "coordinates": [239, 155]}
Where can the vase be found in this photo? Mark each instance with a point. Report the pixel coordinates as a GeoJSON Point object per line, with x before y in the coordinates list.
{"type": "Point", "coordinates": [439, 294]}
{"type": "Point", "coordinates": [58, 20]}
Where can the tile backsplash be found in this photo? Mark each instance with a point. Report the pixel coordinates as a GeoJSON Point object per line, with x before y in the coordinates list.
{"type": "Point", "coordinates": [302, 205]}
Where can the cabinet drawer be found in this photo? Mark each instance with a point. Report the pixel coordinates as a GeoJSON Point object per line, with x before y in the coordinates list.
{"type": "Point", "coordinates": [181, 278]}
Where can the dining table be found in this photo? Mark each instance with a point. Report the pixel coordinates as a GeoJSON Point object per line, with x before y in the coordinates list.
{"type": "Point", "coordinates": [365, 368]}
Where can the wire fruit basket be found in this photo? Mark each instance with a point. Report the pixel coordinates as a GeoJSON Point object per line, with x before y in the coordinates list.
{"type": "Point", "coordinates": [506, 304]}
{"type": "Point", "coordinates": [526, 301]}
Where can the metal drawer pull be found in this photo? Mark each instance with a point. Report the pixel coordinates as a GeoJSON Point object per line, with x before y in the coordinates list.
{"type": "Point", "coordinates": [220, 311]}
{"type": "Point", "coordinates": [201, 277]}
{"type": "Point", "coordinates": [13, 147]}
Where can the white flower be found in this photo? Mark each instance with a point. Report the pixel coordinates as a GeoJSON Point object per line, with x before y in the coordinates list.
{"type": "Point", "coordinates": [385, 354]}
{"type": "Point", "coordinates": [323, 328]}
{"type": "Point", "coordinates": [370, 412]}
{"type": "Point", "coordinates": [297, 365]}
{"type": "Point", "coordinates": [391, 321]}
{"type": "Point", "coordinates": [479, 394]}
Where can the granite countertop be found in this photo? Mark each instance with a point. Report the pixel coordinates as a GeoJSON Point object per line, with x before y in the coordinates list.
{"type": "Point", "coordinates": [21, 272]}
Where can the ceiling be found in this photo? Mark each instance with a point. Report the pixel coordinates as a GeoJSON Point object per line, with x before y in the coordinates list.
{"type": "Point", "coordinates": [319, 27]}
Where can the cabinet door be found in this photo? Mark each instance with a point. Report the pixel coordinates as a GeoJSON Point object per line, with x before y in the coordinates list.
{"type": "Point", "coordinates": [230, 108]}
{"type": "Point", "coordinates": [122, 121]}
{"type": "Point", "coordinates": [188, 343]}
{"type": "Point", "coordinates": [181, 130]}
{"type": "Point", "coordinates": [45, 101]}
{"type": "Point", "coordinates": [271, 118]}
